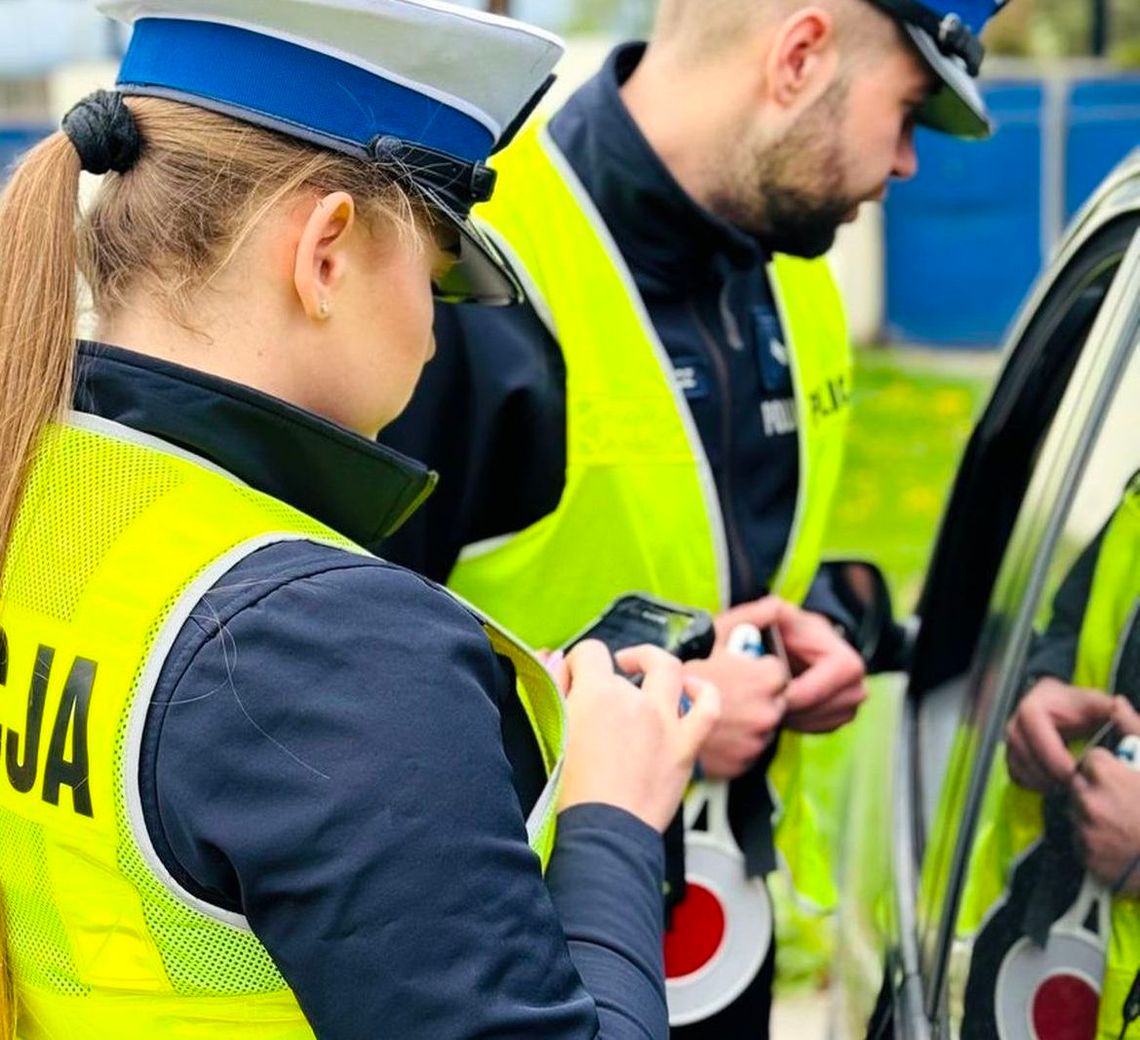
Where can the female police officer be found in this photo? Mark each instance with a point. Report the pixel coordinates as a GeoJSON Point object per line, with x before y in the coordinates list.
{"type": "Point", "coordinates": [256, 781]}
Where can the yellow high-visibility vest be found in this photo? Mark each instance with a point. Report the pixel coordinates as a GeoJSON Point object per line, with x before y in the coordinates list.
{"type": "Point", "coordinates": [640, 511]}
{"type": "Point", "coordinates": [117, 539]}
{"type": "Point", "coordinates": [1113, 603]}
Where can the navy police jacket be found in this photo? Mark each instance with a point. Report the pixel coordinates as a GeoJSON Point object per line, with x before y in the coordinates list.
{"type": "Point", "coordinates": [395, 892]}
{"type": "Point", "coordinates": [490, 413]}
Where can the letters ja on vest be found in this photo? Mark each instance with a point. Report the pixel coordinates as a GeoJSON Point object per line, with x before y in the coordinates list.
{"type": "Point", "coordinates": [117, 539]}
{"type": "Point", "coordinates": [640, 510]}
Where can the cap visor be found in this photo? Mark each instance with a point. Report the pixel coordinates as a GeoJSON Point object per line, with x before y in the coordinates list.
{"type": "Point", "coordinates": [480, 274]}
{"type": "Point", "coordinates": [956, 107]}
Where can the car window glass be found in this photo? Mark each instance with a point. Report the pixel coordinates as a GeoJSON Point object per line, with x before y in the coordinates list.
{"type": "Point", "coordinates": [1000, 871]}
{"type": "Point", "coordinates": [980, 521]}
{"type": "Point", "coordinates": [1025, 878]}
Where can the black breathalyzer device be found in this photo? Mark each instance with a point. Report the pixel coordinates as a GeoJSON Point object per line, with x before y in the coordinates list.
{"type": "Point", "coordinates": [637, 619]}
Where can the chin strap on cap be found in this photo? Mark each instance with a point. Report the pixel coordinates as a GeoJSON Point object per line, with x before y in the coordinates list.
{"type": "Point", "coordinates": [955, 39]}
{"type": "Point", "coordinates": [456, 184]}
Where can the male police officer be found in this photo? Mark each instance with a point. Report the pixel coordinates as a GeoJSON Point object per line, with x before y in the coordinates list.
{"type": "Point", "coordinates": [673, 400]}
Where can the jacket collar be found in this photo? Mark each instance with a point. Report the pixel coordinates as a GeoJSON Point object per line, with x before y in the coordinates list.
{"type": "Point", "coordinates": [357, 487]}
{"type": "Point", "coordinates": [668, 239]}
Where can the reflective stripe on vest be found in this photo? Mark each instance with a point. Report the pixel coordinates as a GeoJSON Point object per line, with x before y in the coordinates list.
{"type": "Point", "coordinates": [640, 511]}
{"type": "Point", "coordinates": [1012, 818]}
{"type": "Point", "coordinates": [116, 541]}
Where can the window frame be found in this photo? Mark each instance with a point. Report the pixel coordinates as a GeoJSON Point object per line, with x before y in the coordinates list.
{"type": "Point", "coordinates": [1004, 639]}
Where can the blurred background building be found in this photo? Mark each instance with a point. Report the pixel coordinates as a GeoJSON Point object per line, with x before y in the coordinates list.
{"type": "Point", "coordinates": [945, 262]}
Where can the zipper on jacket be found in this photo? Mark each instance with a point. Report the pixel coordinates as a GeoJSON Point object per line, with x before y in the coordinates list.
{"type": "Point", "coordinates": [739, 558]}
{"type": "Point", "coordinates": [728, 320]}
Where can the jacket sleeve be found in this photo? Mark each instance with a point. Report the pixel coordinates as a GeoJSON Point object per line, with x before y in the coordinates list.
{"type": "Point", "coordinates": [327, 759]}
{"type": "Point", "coordinates": [822, 599]}
{"type": "Point", "coordinates": [489, 416]}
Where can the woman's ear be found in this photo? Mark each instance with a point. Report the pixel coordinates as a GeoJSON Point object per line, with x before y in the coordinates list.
{"type": "Point", "coordinates": [322, 256]}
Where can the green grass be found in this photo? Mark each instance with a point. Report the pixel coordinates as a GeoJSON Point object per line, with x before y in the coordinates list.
{"type": "Point", "coordinates": [912, 415]}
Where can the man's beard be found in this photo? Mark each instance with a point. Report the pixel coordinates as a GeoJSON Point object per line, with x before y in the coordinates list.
{"type": "Point", "coordinates": [801, 223]}
{"type": "Point", "coordinates": [790, 194]}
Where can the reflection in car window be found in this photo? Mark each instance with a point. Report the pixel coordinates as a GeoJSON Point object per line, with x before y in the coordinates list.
{"type": "Point", "coordinates": [1002, 455]}
{"type": "Point", "coordinates": [1036, 904]}
{"type": "Point", "coordinates": [1010, 482]}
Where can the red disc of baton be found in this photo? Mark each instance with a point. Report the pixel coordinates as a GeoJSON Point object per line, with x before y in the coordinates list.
{"type": "Point", "coordinates": [696, 934]}
{"type": "Point", "coordinates": [720, 935]}
{"type": "Point", "coordinates": [1064, 1007]}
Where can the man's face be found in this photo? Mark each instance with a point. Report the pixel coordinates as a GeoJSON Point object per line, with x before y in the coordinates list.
{"type": "Point", "coordinates": [840, 152]}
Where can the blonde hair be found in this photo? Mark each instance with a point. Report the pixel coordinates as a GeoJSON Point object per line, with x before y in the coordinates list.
{"type": "Point", "coordinates": [201, 185]}
{"type": "Point", "coordinates": [165, 228]}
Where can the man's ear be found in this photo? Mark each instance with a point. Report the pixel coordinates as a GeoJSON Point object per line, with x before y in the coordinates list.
{"type": "Point", "coordinates": [321, 257]}
{"type": "Point", "coordinates": [802, 58]}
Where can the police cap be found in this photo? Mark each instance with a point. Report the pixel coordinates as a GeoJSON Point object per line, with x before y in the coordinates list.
{"type": "Point", "coordinates": [432, 86]}
{"type": "Point", "coordinates": [946, 34]}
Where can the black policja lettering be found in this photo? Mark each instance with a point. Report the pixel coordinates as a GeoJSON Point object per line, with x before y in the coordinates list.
{"type": "Point", "coordinates": [71, 718]}
{"type": "Point", "coordinates": [69, 726]}
{"type": "Point", "coordinates": [22, 774]}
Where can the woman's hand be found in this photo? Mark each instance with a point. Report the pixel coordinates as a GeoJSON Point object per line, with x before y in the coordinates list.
{"type": "Point", "coordinates": [629, 747]}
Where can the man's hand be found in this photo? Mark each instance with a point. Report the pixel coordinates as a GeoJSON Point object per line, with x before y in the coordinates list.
{"type": "Point", "coordinates": [828, 686]}
{"type": "Point", "coordinates": [1106, 812]}
{"type": "Point", "coordinates": [828, 689]}
{"type": "Point", "coordinates": [752, 697]}
{"type": "Point", "coordinates": [1049, 715]}
{"type": "Point", "coordinates": [1126, 717]}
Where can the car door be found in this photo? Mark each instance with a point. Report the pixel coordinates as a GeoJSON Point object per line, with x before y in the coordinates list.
{"type": "Point", "coordinates": [1044, 469]}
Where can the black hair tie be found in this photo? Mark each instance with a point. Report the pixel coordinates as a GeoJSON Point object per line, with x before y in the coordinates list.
{"type": "Point", "coordinates": [104, 133]}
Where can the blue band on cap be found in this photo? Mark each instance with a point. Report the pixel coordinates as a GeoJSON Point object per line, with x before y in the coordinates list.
{"type": "Point", "coordinates": [285, 83]}
{"type": "Point", "coordinates": [975, 13]}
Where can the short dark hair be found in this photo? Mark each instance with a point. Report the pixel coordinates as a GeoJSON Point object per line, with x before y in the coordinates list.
{"type": "Point", "coordinates": [703, 28]}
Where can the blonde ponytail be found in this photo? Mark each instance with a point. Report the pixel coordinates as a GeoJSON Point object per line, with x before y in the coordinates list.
{"type": "Point", "coordinates": [203, 181]}
{"type": "Point", "coordinates": [199, 187]}
{"type": "Point", "coordinates": [38, 213]}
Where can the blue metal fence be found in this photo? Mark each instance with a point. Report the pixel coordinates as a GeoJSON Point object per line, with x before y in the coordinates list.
{"type": "Point", "coordinates": [1102, 127]}
{"type": "Point", "coordinates": [963, 239]}
{"type": "Point", "coordinates": [967, 238]}
{"type": "Point", "coordinates": [17, 138]}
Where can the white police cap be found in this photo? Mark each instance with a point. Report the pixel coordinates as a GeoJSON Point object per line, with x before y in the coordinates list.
{"type": "Point", "coordinates": [435, 87]}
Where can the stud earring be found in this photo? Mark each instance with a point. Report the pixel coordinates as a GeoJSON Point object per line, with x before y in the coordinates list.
{"type": "Point", "coordinates": [324, 309]}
